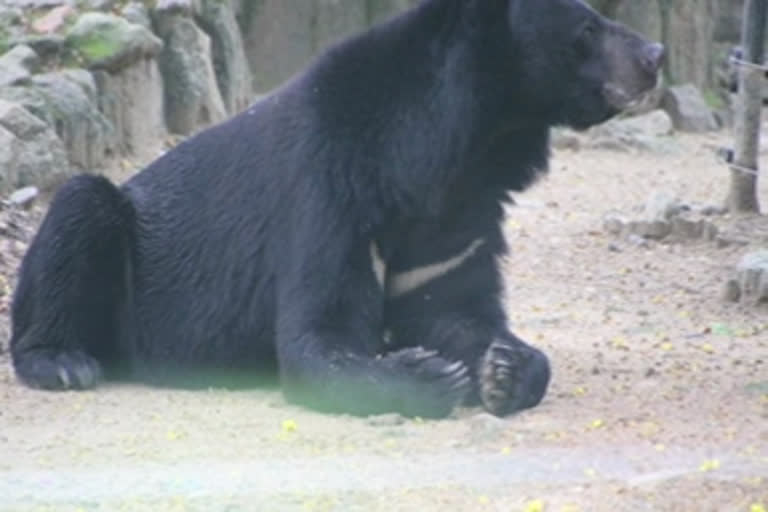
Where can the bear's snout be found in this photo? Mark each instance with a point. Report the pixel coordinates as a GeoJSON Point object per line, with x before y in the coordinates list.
{"type": "Point", "coordinates": [652, 57]}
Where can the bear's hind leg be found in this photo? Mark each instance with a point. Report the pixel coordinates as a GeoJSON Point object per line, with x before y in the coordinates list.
{"type": "Point", "coordinates": [72, 286]}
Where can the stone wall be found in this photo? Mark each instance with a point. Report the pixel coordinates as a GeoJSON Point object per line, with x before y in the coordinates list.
{"type": "Point", "coordinates": [100, 85]}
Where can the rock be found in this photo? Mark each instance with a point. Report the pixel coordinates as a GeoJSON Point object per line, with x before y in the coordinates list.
{"type": "Point", "coordinates": [647, 132]}
{"type": "Point", "coordinates": [186, 7]}
{"type": "Point", "coordinates": [654, 230]}
{"type": "Point", "coordinates": [106, 41]}
{"type": "Point", "coordinates": [687, 228]}
{"type": "Point", "coordinates": [649, 103]}
{"type": "Point", "coordinates": [136, 12]}
{"type": "Point", "coordinates": [385, 420]}
{"type": "Point", "coordinates": [562, 138]}
{"type": "Point", "coordinates": [711, 210]}
{"type": "Point", "coordinates": [688, 110]}
{"type": "Point", "coordinates": [100, 5]}
{"type": "Point", "coordinates": [45, 46]}
{"type": "Point", "coordinates": [732, 291]}
{"type": "Point", "coordinates": [132, 101]}
{"type": "Point", "coordinates": [11, 24]}
{"type": "Point", "coordinates": [10, 15]}
{"type": "Point", "coordinates": [229, 60]}
{"type": "Point", "coordinates": [37, 4]}
{"type": "Point", "coordinates": [23, 197]}
{"type": "Point", "coordinates": [614, 223]}
{"type": "Point", "coordinates": [31, 99]}
{"type": "Point", "coordinates": [72, 100]}
{"type": "Point", "coordinates": [751, 281]}
{"type": "Point", "coordinates": [638, 241]}
{"type": "Point", "coordinates": [8, 156]}
{"type": "Point", "coordinates": [17, 65]}
{"type": "Point", "coordinates": [662, 206]}
{"type": "Point", "coordinates": [192, 96]}
{"type": "Point", "coordinates": [656, 123]}
{"type": "Point", "coordinates": [30, 151]}
{"type": "Point", "coordinates": [723, 240]}
{"type": "Point", "coordinates": [53, 19]}
{"type": "Point", "coordinates": [662, 216]}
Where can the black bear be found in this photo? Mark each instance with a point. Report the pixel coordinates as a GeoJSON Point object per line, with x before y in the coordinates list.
{"type": "Point", "coordinates": [344, 230]}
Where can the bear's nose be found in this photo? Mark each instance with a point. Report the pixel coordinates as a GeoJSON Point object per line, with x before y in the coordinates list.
{"type": "Point", "coordinates": [652, 57]}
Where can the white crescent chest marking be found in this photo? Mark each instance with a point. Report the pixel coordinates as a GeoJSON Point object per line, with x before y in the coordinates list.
{"type": "Point", "coordinates": [401, 283]}
{"type": "Point", "coordinates": [379, 267]}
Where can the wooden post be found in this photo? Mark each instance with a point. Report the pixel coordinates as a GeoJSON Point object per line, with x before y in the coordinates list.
{"type": "Point", "coordinates": [743, 191]}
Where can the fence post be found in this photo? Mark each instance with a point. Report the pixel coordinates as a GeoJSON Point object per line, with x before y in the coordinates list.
{"type": "Point", "coordinates": [743, 191]}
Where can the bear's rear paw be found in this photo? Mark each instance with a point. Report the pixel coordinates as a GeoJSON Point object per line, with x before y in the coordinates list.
{"type": "Point", "coordinates": [428, 385]}
{"type": "Point", "coordinates": [513, 376]}
{"type": "Point", "coordinates": [58, 371]}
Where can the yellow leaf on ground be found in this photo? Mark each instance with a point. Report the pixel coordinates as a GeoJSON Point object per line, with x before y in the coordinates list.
{"type": "Point", "coordinates": [596, 424]}
{"type": "Point", "coordinates": [534, 506]}
{"type": "Point", "coordinates": [709, 465]}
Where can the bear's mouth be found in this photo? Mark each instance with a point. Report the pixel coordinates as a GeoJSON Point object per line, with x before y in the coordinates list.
{"type": "Point", "coordinates": [621, 98]}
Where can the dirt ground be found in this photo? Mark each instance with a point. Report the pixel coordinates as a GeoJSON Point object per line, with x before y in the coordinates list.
{"type": "Point", "coordinates": [659, 400]}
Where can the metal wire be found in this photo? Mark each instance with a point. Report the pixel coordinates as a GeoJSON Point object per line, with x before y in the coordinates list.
{"type": "Point", "coordinates": [747, 64]}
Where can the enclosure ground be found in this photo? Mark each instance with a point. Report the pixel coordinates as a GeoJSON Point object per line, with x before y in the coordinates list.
{"type": "Point", "coordinates": [659, 400]}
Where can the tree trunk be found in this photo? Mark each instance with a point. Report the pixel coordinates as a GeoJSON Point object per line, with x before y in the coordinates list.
{"type": "Point", "coordinates": [743, 192]}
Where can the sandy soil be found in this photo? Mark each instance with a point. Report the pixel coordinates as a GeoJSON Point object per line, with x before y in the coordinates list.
{"type": "Point", "coordinates": [659, 400]}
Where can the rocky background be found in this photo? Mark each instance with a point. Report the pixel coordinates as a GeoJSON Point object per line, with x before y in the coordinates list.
{"type": "Point", "coordinates": [105, 85]}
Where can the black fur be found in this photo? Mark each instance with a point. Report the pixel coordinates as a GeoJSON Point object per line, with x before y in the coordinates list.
{"type": "Point", "coordinates": [248, 245]}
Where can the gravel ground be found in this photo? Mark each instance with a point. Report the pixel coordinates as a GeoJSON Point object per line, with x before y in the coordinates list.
{"type": "Point", "coordinates": [659, 400]}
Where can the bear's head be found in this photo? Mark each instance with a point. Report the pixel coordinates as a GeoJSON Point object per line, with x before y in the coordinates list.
{"type": "Point", "coordinates": [565, 63]}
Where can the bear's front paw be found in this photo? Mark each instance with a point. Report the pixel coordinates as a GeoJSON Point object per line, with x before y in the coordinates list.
{"type": "Point", "coordinates": [513, 376]}
{"type": "Point", "coordinates": [429, 386]}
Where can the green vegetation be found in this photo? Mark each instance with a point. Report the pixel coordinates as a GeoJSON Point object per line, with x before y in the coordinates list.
{"type": "Point", "coordinates": [97, 45]}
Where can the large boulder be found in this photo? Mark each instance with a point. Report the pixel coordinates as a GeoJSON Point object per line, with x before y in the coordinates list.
{"type": "Point", "coordinates": [229, 59]}
{"type": "Point", "coordinates": [689, 111]}
{"type": "Point", "coordinates": [30, 151]}
{"type": "Point", "coordinates": [192, 96]}
{"type": "Point", "coordinates": [73, 111]}
{"type": "Point", "coordinates": [106, 41]}
{"type": "Point", "coordinates": [132, 101]}
{"type": "Point", "coordinates": [647, 132]}
{"type": "Point", "coordinates": [17, 65]}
